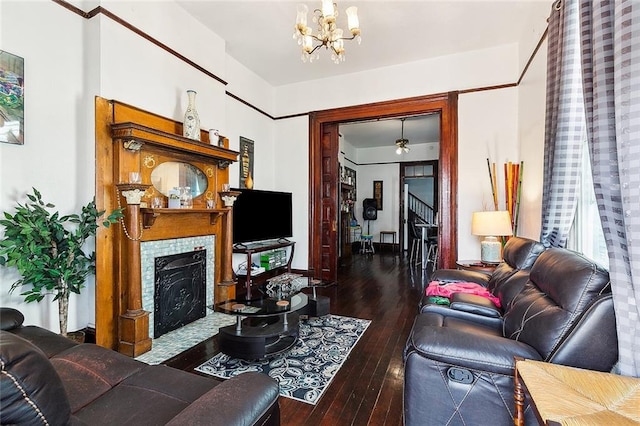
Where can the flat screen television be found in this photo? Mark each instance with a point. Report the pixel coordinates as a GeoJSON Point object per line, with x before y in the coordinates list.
{"type": "Point", "coordinates": [261, 215]}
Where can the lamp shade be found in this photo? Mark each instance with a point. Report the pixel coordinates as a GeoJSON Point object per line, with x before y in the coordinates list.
{"type": "Point", "coordinates": [491, 223]}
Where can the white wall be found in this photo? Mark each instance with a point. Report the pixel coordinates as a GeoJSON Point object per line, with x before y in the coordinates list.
{"type": "Point", "coordinates": [57, 156]}
{"type": "Point", "coordinates": [291, 173]}
{"type": "Point", "coordinates": [531, 106]}
{"type": "Point", "coordinates": [487, 128]}
{"type": "Point", "coordinates": [135, 71]}
{"type": "Point", "coordinates": [387, 219]}
{"type": "Point", "coordinates": [479, 68]}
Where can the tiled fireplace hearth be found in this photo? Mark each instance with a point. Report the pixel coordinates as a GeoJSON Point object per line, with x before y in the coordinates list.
{"type": "Point", "coordinates": [152, 250]}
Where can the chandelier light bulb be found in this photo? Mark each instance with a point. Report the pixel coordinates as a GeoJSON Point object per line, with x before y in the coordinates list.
{"type": "Point", "coordinates": [301, 18]}
{"type": "Point", "coordinates": [352, 20]}
{"type": "Point", "coordinates": [307, 44]}
{"type": "Point", "coordinates": [328, 34]}
{"type": "Point", "coordinates": [328, 11]}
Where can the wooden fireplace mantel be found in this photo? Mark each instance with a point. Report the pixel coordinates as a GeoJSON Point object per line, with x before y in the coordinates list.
{"type": "Point", "coordinates": [135, 136]}
{"type": "Point", "coordinates": [129, 139]}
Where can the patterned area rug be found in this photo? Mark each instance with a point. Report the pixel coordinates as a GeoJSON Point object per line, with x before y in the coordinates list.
{"type": "Point", "coordinates": [305, 371]}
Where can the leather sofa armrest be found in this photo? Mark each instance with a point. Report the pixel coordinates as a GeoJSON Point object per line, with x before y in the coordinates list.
{"type": "Point", "coordinates": [10, 318]}
{"type": "Point", "coordinates": [493, 322]}
{"type": "Point", "coordinates": [474, 304]}
{"type": "Point", "coordinates": [465, 344]}
{"type": "Point", "coordinates": [31, 389]}
{"type": "Point", "coordinates": [247, 399]}
{"type": "Point", "coordinates": [459, 275]}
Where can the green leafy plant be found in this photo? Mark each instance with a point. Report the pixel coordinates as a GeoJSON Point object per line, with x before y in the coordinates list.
{"type": "Point", "coordinates": [47, 250]}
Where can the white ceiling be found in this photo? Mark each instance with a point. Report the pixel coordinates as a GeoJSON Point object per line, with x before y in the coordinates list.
{"type": "Point", "coordinates": [365, 134]}
{"type": "Point", "coordinates": [258, 34]}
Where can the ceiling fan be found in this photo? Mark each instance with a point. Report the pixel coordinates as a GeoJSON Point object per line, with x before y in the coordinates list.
{"type": "Point", "coordinates": [402, 142]}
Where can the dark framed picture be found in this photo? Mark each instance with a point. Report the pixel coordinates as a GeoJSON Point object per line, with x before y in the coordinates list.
{"type": "Point", "coordinates": [377, 193]}
{"type": "Point", "coordinates": [11, 98]}
{"type": "Point", "coordinates": [246, 163]}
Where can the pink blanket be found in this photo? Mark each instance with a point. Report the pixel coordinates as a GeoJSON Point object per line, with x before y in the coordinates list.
{"type": "Point", "coordinates": [437, 288]}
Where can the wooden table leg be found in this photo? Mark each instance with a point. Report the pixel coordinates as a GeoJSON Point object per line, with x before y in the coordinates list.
{"type": "Point", "coordinates": [518, 396]}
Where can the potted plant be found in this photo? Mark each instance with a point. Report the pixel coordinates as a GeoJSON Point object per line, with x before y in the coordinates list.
{"type": "Point", "coordinates": [47, 250]}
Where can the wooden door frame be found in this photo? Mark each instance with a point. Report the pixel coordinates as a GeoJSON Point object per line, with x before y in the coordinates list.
{"type": "Point", "coordinates": [446, 104]}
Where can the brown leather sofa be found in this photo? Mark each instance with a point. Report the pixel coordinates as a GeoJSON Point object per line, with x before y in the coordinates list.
{"type": "Point", "coordinates": [459, 369]}
{"type": "Point", "coordinates": [49, 379]}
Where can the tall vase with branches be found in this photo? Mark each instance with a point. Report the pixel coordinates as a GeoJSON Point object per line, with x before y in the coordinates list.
{"type": "Point", "coordinates": [47, 250]}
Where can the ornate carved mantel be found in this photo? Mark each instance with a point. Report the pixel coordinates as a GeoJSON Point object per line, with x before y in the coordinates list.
{"type": "Point", "coordinates": [132, 140]}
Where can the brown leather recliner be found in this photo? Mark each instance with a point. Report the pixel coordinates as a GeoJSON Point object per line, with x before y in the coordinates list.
{"type": "Point", "coordinates": [49, 379]}
{"type": "Point", "coordinates": [460, 370]}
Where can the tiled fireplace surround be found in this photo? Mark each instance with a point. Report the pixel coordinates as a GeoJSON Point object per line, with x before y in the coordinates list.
{"type": "Point", "coordinates": [149, 250]}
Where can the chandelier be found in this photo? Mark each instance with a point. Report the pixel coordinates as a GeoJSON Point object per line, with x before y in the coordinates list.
{"type": "Point", "coordinates": [402, 142]}
{"type": "Point", "coordinates": [328, 34]}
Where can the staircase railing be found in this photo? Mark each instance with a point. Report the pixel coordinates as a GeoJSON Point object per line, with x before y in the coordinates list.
{"type": "Point", "coordinates": [420, 209]}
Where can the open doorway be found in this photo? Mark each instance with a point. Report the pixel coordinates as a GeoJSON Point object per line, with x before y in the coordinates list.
{"type": "Point", "coordinates": [419, 186]}
{"type": "Point", "coordinates": [379, 156]}
{"type": "Point", "coordinates": [324, 174]}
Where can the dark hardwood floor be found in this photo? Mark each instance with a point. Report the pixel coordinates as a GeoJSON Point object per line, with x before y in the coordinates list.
{"type": "Point", "coordinates": [367, 390]}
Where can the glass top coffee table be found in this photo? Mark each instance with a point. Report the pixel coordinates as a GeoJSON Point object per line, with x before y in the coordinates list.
{"type": "Point", "coordinates": [264, 327]}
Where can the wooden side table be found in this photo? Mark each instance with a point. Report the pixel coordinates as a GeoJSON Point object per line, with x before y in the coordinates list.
{"type": "Point", "coordinates": [475, 265]}
{"type": "Point", "coordinates": [562, 395]}
{"type": "Point", "coordinates": [392, 234]}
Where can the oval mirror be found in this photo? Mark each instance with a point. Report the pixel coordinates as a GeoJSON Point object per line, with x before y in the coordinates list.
{"type": "Point", "coordinates": [174, 174]}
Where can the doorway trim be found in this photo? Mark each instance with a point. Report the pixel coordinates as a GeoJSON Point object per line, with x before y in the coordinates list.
{"type": "Point", "coordinates": [446, 104]}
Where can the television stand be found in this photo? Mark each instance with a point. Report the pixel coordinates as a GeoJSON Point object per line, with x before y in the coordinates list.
{"type": "Point", "coordinates": [252, 249]}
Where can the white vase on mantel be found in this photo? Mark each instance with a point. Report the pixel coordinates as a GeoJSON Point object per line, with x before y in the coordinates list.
{"type": "Point", "coordinates": [191, 125]}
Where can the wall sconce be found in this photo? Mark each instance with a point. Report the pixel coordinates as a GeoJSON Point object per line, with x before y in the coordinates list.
{"type": "Point", "coordinates": [491, 224]}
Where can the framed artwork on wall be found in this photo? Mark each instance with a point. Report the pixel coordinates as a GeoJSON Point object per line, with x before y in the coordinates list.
{"type": "Point", "coordinates": [11, 98]}
{"type": "Point", "coordinates": [246, 163]}
{"type": "Point", "coordinates": [377, 193]}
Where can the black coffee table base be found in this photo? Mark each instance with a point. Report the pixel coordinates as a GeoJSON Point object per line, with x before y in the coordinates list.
{"type": "Point", "coordinates": [318, 306]}
{"type": "Point", "coordinates": [259, 337]}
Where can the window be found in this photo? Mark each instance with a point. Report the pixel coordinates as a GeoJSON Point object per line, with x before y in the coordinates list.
{"type": "Point", "coordinates": [586, 234]}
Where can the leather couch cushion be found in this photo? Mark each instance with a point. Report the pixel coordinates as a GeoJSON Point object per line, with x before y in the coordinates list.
{"type": "Point", "coordinates": [561, 285]}
{"type": "Point", "coordinates": [519, 254]}
{"type": "Point", "coordinates": [30, 390]}
{"type": "Point", "coordinates": [89, 371]}
{"type": "Point", "coordinates": [258, 391]}
{"type": "Point", "coordinates": [153, 395]}
{"type": "Point", "coordinates": [47, 341]}
{"type": "Point", "coordinates": [464, 343]}
{"type": "Point", "coordinates": [10, 318]}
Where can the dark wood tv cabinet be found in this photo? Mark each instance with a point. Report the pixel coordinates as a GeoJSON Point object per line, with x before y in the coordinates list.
{"type": "Point", "coordinates": [248, 281]}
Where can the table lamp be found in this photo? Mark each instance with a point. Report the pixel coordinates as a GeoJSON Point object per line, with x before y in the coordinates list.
{"type": "Point", "coordinates": [491, 224]}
